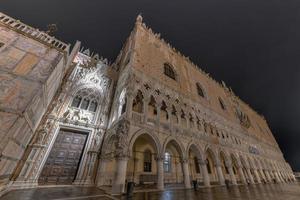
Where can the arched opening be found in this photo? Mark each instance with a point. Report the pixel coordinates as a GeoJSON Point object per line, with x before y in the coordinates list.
{"type": "Point", "coordinates": [236, 169]}
{"type": "Point", "coordinates": [164, 116]}
{"type": "Point", "coordinates": [107, 163]}
{"type": "Point", "coordinates": [200, 90]}
{"type": "Point", "coordinates": [194, 162]}
{"type": "Point", "coordinates": [224, 167]}
{"type": "Point", "coordinates": [174, 118]}
{"type": "Point", "coordinates": [137, 104]}
{"type": "Point", "coordinates": [169, 71]}
{"type": "Point", "coordinates": [152, 110]}
{"type": "Point", "coordinates": [211, 166]}
{"type": "Point", "coordinates": [244, 168]}
{"type": "Point", "coordinates": [173, 171]}
{"type": "Point", "coordinates": [141, 167]}
{"type": "Point", "coordinates": [183, 119]}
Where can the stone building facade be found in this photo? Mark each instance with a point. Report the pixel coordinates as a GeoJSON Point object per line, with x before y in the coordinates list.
{"type": "Point", "coordinates": [151, 117]}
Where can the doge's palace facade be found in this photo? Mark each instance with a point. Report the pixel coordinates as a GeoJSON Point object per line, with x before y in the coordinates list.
{"type": "Point", "coordinates": [152, 117]}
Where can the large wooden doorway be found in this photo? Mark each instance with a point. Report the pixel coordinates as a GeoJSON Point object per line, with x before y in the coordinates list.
{"type": "Point", "coordinates": [63, 161]}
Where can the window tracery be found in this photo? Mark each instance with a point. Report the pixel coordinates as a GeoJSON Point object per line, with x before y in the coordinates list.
{"type": "Point", "coordinates": [200, 90]}
{"type": "Point", "coordinates": [169, 71]}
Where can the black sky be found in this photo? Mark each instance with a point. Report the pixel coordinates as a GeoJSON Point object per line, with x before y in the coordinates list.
{"type": "Point", "coordinates": [253, 45]}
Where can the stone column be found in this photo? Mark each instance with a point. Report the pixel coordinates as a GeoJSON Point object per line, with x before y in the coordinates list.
{"type": "Point", "coordinates": [204, 172]}
{"type": "Point", "coordinates": [232, 176]}
{"type": "Point", "coordinates": [250, 176]}
{"type": "Point", "coordinates": [260, 171]}
{"type": "Point", "coordinates": [280, 177]}
{"type": "Point", "coordinates": [268, 176]}
{"type": "Point", "coordinates": [101, 171]}
{"type": "Point", "coordinates": [160, 173]}
{"type": "Point", "coordinates": [276, 177]}
{"type": "Point", "coordinates": [186, 174]}
{"type": "Point", "coordinates": [220, 173]}
{"type": "Point", "coordinates": [242, 175]}
{"type": "Point", "coordinates": [118, 186]}
{"type": "Point", "coordinates": [129, 105]}
{"type": "Point", "coordinates": [257, 175]}
{"type": "Point", "coordinates": [158, 106]}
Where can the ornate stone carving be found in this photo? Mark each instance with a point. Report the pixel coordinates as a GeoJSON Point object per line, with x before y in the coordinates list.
{"type": "Point", "coordinates": [122, 139]}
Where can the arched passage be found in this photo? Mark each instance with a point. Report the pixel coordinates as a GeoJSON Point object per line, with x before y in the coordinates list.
{"type": "Point", "coordinates": [211, 166]}
{"type": "Point", "coordinates": [225, 168]}
{"type": "Point", "coordinates": [142, 165]}
{"type": "Point", "coordinates": [173, 158]}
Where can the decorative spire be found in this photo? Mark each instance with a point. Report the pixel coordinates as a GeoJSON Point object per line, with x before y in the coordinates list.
{"type": "Point", "coordinates": [139, 19]}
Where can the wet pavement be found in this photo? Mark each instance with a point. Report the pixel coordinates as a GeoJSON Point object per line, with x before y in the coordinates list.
{"type": "Point", "coordinates": [289, 191]}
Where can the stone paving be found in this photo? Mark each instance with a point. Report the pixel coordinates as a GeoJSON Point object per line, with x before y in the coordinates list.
{"type": "Point", "coordinates": [252, 192]}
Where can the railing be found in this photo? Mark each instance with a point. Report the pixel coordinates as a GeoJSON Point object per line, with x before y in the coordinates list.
{"type": "Point", "coordinates": [32, 32]}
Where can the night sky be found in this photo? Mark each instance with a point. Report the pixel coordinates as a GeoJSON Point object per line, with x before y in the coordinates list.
{"type": "Point", "coordinates": [253, 45]}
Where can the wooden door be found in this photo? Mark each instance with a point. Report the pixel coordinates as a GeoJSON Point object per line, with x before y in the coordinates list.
{"type": "Point", "coordinates": [63, 161]}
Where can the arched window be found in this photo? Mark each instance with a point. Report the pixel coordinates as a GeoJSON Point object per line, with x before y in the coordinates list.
{"type": "Point", "coordinates": [222, 104]}
{"type": "Point", "coordinates": [200, 90]}
{"type": "Point", "coordinates": [152, 111]}
{"type": "Point", "coordinates": [1, 44]}
{"type": "Point", "coordinates": [183, 120]}
{"type": "Point", "coordinates": [163, 112]}
{"type": "Point", "coordinates": [196, 162]}
{"type": "Point", "coordinates": [85, 104]}
{"type": "Point", "coordinates": [208, 166]}
{"type": "Point", "coordinates": [147, 161]}
{"type": "Point", "coordinates": [174, 115]}
{"type": "Point", "coordinates": [169, 71]}
{"type": "Point", "coordinates": [167, 162]}
{"type": "Point", "coordinates": [93, 106]}
{"type": "Point", "coordinates": [137, 104]}
{"type": "Point", "coordinates": [76, 101]}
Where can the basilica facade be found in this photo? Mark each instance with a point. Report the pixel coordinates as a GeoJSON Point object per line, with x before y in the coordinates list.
{"type": "Point", "coordinates": [152, 117]}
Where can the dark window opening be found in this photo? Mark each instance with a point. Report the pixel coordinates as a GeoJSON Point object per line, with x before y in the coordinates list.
{"type": "Point", "coordinates": [169, 71]}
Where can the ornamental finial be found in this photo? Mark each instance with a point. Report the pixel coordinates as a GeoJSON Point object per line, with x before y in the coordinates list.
{"type": "Point", "coordinates": [139, 18]}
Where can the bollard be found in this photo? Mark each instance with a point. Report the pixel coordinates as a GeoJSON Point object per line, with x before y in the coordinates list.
{"type": "Point", "coordinates": [130, 186]}
{"type": "Point", "coordinates": [195, 184]}
{"type": "Point", "coordinates": [227, 183]}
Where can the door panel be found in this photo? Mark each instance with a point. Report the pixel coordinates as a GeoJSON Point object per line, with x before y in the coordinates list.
{"type": "Point", "coordinates": [63, 161]}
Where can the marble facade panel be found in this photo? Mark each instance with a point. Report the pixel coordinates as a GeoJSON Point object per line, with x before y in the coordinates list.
{"type": "Point", "coordinates": [31, 46]}
{"type": "Point", "coordinates": [7, 120]}
{"type": "Point", "coordinates": [25, 65]}
{"type": "Point", "coordinates": [35, 110]}
{"type": "Point", "coordinates": [13, 150]}
{"type": "Point", "coordinates": [16, 92]}
{"type": "Point", "coordinates": [41, 71]}
{"type": "Point", "coordinates": [10, 57]}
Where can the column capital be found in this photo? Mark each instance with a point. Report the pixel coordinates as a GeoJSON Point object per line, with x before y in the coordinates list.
{"type": "Point", "coordinates": [159, 158]}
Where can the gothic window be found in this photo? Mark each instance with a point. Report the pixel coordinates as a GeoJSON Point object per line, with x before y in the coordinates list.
{"type": "Point", "coordinates": [174, 115]}
{"type": "Point", "coordinates": [208, 166]}
{"type": "Point", "coordinates": [123, 108]}
{"type": "Point", "coordinates": [196, 162]}
{"type": "Point", "coordinates": [147, 161]}
{"type": "Point", "coordinates": [167, 162]}
{"type": "Point", "coordinates": [85, 104]}
{"type": "Point", "coordinates": [169, 71]}
{"type": "Point", "coordinates": [76, 101]}
{"type": "Point", "coordinates": [93, 106]}
{"type": "Point", "coordinates": [163, 113]}
{"type": "Point", "coordinates": [200, 90]}
{"type": "Point", "coordinates": [222, 104]}
{"type": "Point", "coordinates": [183, 119]}
{"type": "Point", "coordinates": [191, 121]}
{"type": "Point", "coordinates": [152, 111]}
{"type": "Point", "coordinates": [137, 104]}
